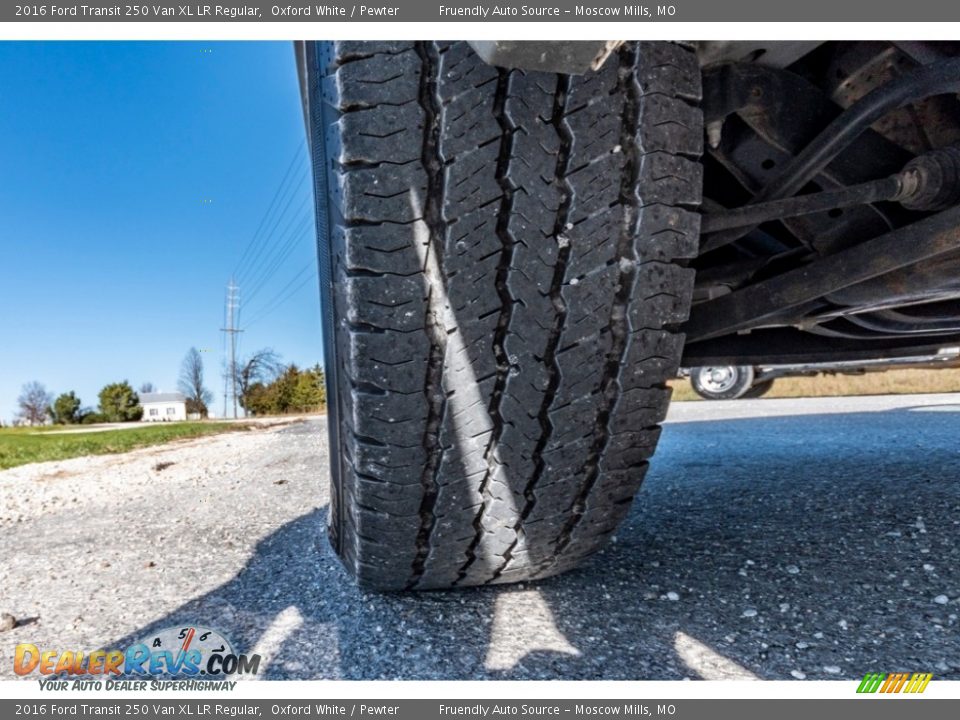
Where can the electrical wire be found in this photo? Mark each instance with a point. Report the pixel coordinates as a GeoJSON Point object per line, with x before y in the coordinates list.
{"type": "Point", "coordinates": [283, 296]}
{"type": "Point", "coordinates": [265, 245]}
{"type": "Point", "coordinates": [287, 242]}
{"type": "Point", "coordinates": [297, 154]}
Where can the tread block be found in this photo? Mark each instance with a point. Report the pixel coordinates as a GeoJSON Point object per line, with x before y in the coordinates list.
{"type": "Point", "coordinates": [667, 233]}
{"type": "Point", "coordinates": [378, 132]}
{"type": "Point", "coordinates": [397, 305]}
{"type": "Point", "coordinates": [382, 195]}
{"type": "Point", "coordinates": [371, 81]}
{"type": "Point", "coordinates": [392, 362]}
{"type": "Point", "coordinates": [669, 179]}
{"type": "Point", "coordinates": [380, 249]}
{"type": "Point", "coordinates": [498, 388]}
{"type": "Point", "coordinates": [669, 124]}
{"type": "Point", "coordinates": [669, 69]}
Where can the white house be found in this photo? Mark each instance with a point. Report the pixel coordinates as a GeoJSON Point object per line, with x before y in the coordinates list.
{"type": "Point", "coordinates": [163, 407]}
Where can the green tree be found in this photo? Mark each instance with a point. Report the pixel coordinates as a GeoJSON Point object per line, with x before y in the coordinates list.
{"type": "Point", "coordinates": [119, 403]}
{"type": "Point", "coordinates": [258, 400]}
{"type": "Point", "coordinates": [292, 390]}
{"type": "Point", "coordinates": [66, 409]}
{"type": "Point", "coordinates": [321, 383]}
{"type": "Point", "coordinates": [308, 393]}
{"type": "Point", "coordinates": [284, 388]}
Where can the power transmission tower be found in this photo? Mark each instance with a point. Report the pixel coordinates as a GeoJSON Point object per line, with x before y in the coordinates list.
{"type": "Point", "coordinates": [233, 315]}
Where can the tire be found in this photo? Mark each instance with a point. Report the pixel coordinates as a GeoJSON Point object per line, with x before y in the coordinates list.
{"type": "Point", "coordinates": [758, 390]}
{"type": "Point", "coordinates": [503, 255]}
{"type": "Point", "coordinates": [726, 382]}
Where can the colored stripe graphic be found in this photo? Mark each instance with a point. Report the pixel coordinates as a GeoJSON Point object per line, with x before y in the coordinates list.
{"type": "Point", "coordinates": [894, 683]}
{"type": "Point", "coordinates": [889, 682]}
{"type": "Point", "coordinates": [901, 679]}
{"type": "Point", "coordinates": [922, 682]}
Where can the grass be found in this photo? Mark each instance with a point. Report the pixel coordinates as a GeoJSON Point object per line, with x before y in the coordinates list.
{"type": "Point", "coordinates": [891, 382]}
{"type": "Point", "coordinates": [20, 446]}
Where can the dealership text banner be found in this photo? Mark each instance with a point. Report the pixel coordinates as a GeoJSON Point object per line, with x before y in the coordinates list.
{"type": "Point", "coordinates": [431, 11]}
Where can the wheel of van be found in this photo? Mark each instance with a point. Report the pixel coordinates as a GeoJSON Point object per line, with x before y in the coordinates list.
{"type": "Point", "coordinates": [722, 382]}
{"type": "Point", "coordinates": [503, 260]}
{"type": "Point", "coordinates": [758, 390]}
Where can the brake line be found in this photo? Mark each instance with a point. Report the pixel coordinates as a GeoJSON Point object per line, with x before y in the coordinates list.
{"type": "Point", "coordinates": [935, 79]}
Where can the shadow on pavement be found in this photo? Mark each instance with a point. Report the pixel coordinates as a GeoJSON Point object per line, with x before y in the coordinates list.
{"type": "Point", "coordinates": [818, 546]}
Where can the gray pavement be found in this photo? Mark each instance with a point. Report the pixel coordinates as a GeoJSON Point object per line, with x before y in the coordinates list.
{"type": "Point", "coordinates": [773, 538]}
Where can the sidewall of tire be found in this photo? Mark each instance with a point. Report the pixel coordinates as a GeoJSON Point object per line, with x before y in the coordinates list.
{"type": "Point", "coordinates": [322, 197]}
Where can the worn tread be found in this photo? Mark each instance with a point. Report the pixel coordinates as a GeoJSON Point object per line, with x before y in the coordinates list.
{"type": "Point", "coordinates": [507, 254]}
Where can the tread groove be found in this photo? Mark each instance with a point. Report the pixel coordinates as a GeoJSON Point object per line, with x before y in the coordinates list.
{"type": "Point", "coordinates": [556, 300]}
{"type": "Point", "coordinates": [619, 324]}
{"type": "Point", "coordinates": [507, 243]}
{"type": "Point", "coordinates": [436, 330]}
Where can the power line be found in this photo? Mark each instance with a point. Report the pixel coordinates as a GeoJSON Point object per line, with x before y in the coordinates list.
{"type": "Point", "coordinates": [279, 304]}
{"type": "Point", "coordinates": [271, 301]}
{"type": "Point", "coordinates": [263, 256]}
{"type": "Point", "coordinates": [269, 210]}
{"type": "Point", "coordinates": [286, 244]}
{"type": "Point", "coordinates": [280, 243]}
{"type": "Point", "coordinates": [283, 296]}
{"type": "Point", "coordinates": [282, 189]}
{"type": "Point", "coordinates": [267, 243]}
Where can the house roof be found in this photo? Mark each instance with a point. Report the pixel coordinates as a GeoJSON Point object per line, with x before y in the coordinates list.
{"type": "Point", "coordinates": [147, 398]}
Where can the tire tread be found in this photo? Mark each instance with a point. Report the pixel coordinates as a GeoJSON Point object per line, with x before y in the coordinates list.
{"type": "Point", "coordinates": [508, 258]}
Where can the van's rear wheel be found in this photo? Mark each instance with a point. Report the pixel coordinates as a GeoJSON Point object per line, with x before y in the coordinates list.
{"type": "Point", "coordinates": [723, 382]}
{"type": "Point", "coordinates": [758, 390]}
{"type": "Point", "coordinates": [503, 255]}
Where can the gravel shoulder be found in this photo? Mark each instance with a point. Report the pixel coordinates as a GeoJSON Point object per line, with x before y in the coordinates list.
{"type": "Point", "coordinates": [773, 538]}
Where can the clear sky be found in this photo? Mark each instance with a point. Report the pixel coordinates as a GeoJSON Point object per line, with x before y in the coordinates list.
{"type": "Point", "coordinates": [133, 178]}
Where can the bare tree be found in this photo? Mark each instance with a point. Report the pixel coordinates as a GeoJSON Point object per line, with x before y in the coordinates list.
{"type": "Point", "coordinates": [34, 403]}
{"type": "Point", "coordinates": [191, 383]}
{"type": "Point", "coordinates": [260, 367]}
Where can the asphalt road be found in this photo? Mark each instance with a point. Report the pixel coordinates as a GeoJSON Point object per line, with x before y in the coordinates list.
{"type": "Point", "coordinates": [773, 538]}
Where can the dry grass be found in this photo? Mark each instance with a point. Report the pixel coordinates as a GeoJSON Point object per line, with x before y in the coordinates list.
{"type": "Point", "coordinates": [891, 382]}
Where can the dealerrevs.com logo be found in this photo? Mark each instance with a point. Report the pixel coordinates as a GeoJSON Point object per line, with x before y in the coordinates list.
{"type": "Point", "coordinates": [191, 652]}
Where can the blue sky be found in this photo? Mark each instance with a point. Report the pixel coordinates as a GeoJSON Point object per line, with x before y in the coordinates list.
{"type": "Point", "coordinates": [133, 176]}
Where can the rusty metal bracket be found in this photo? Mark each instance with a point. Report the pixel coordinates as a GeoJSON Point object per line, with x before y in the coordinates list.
{"type": "Point", "coordinates": [755, 305]}
{"type": "Point", "coordinates": [938, 78]}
